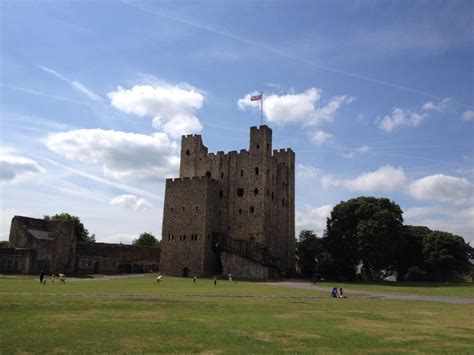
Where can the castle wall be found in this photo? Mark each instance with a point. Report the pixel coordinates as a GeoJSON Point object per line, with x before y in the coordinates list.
{"type": "Point", "coordinates": [242, 268]}
{"type": "Point", "coordinates": [188, 222]}
{"type": "Point", "coordinates": [255, 194]}
{"type": "Point", "coordinates": [15, 260]}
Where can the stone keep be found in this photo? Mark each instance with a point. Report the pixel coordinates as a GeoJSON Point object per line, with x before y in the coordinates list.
{"type": "Point", "coordinates": [230, 212]}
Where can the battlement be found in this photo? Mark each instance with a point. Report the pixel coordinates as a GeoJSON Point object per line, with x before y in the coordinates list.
{"type": "Point", "coordinates": [190, 179]}
{"type": "Point", "coordinates": [282, 151]}
{"type": "Point", "coordinates": [260, 128]}
{"type": "Point", "coordinates": [191, 136]}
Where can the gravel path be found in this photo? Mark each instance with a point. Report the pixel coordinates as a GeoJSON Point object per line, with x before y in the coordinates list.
{"type": "Point", "coordinates": [375, 294]}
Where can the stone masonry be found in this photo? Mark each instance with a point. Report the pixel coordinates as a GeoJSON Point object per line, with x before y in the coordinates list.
{"type": "Point", "coordinates": [244, 197]}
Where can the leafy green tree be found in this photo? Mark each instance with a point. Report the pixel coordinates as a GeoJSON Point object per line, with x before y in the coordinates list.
{"type": "Point", "coordinates": [410, 252]}
{"type": "Point", "coordinates": [367, 230]}
{"type": "Point", "coordinates": [445, 255]}
{"type": "Point", "coordinates": [146, 239]}
{"type": "Point", "coordinates": [81, 232]}
{"type": "Point", "coordinates": [3, 243]}
{"type": "Point", "coordinates": [308, 247]}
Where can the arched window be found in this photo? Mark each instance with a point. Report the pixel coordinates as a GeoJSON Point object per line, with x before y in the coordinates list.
{"type": "Point", "coordinates": [240, 192]}
{"type": "Point", "coordinates": [255, 192]}
{"type": "Point", "coordinates": [188, 153]}
{"type": "Point", "coordinates": [172, 209]}
{"type": "Point", "coordinates": [184, 208]}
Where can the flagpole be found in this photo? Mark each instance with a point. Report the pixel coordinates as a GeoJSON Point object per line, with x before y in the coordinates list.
{"type": "Point", "coordinates": [261, 109]}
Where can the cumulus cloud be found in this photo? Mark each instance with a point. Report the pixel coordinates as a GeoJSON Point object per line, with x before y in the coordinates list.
{"type": "Point", "coordinates": [408, 118]}
{"type": "Point", "coordinates": [439, 106]}
{"type": "Point", "coordinates": [306, 171]}
{"type": "Point", "coordinates": [386, 178]}
{"type": "Point", "coordinates": [121, 154]}
{"type": "Point", "coordinates": [400, 118]}
{"type": "Point", "coordinates": [298, 108]}
{"type": "Point", "coordinates": [320, 137]}
{"type": "Point", "coordinates": [358, 151]}
{"type": "Point", "coordinates": [13, 167]}
{"type": "Point", "coordinates": [172, 107]}
{"type": "Point", "coordinates": [312, 218]}
{"type": "Point", "coordinates": [468, 115]}
{"type": "Point", "coordinates": [443, 188]}
{"type": "Point", "coordinates": [130, 201]}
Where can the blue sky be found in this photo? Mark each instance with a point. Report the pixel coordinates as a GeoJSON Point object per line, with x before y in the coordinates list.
{"type": "Point", "coordinates": [376, 98]}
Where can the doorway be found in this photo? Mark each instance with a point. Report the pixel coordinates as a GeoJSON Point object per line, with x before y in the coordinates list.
{"type": "Point", "coordinates": [185, 272]}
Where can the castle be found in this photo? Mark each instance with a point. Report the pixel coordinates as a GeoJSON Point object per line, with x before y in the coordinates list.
{"type": "Point", "coordinates": [230, 212]}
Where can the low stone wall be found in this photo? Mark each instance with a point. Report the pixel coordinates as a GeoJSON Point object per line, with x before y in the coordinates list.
{"type": "Point", "coordinates": [15, 260]}
{"type": "Point", "coordinates": [243, 268]}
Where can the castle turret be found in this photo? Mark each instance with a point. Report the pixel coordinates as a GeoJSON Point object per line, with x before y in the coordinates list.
{"type": "Point", "coordinates": [193, 152]}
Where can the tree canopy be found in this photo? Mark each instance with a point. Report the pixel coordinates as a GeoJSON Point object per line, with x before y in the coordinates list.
{"type": "Point", "coordinates": [147, 239]}
{"type": "Point", "coordinates": [363, 229]}
{"type": "Point", "coordinates": [81, 232]}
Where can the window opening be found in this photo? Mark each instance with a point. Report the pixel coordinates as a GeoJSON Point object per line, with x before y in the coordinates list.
{"type": "Point", "coordinates": [256, 171]}
{"type": "Point", "coordinates": [255, 192]}
{"type": "Point", "coordinates": [251, 209]}
{"type": "Point", "coordinates": [240, 192]}
{"type": "Point", "coordinates": [188, 153]}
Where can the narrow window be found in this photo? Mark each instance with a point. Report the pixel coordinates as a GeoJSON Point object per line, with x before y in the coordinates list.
{"type": "Point", "coordinates": [188, 153]}
{"type": "Point", "coordinates": [172, 236]}
{"type": "Point", "coordinates": [184, 208]}
{"type": "Point", "coordinates": [208, 173]}
{"type": "Point", "coordinates": [273, 195]}
{"type": "Point", "coordinates": [172, 209]}
{"type": "Point", "coordinates": [251, 209]}
{"type": "Point", "coordinates": [283, 202]}
{"type": "Point", "coordinates": [240, 192]}
{"type": "Point", "coordinates": [222, 175]}
{"type": "Point", "coordinates": [268, 192]}
{"type": "Point", "coordinates": [195, 237]}
{"type": "Point", "coordinates": [219, 212]}
{"type": "Point", "coordinates": [241, 173]}
{"type": "Point", "coordinates": [258, 146]}
{"type": "Point", "coordinates": [256, 171]}
{"type": "Point", "coordinates": [197, 208]}
{"type": "Point", "coordinates": [184, 236]}
{"type": "Point", "coordinates": [240, 211]}
{"type": "Point", "coordinates": [283, 184]}
{"type": "Point", "coordinates": [255, 192]}
{"type": "Point", "coordinates": [221, 193]}
{"type": "Point", "coordinates": [268, 146]}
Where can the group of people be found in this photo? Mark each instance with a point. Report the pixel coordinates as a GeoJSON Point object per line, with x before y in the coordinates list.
{"type": "Point", "coordinates": [42, 278]}
{"type": "Point", "coordinates": [335, 293]}
{"type": "Point", "coordinates": [159, 278]}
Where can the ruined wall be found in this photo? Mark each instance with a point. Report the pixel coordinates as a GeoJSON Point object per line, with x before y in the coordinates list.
{"type": "Point", "coordinates": [15, 260]}
{"type": "Point", "coordinates": [112, 258]}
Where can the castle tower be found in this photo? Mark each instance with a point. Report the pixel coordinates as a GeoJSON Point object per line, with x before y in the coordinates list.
{"type": "Point", "coordinates": [230, 212]}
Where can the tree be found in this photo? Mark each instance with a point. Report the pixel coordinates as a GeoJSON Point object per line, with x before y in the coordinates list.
{"type": "Point", "coordinates": [445, 254]}
{"type": "Point", "coordinates": [147, 239]}
{"type": "Point", "coordinates": [410, 253]}
{"type": "Point", "coordinates": [367, 230]}
{"type": "Point", "coordinates": [3, 243]}
{"type": "Point", "coordinates": [308, 247]}
{"type": "Point", "coordinates": [82, 234]}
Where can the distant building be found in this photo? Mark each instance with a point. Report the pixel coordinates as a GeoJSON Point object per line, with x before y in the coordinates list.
{"type": "Point", "coordinates": [52, 246]}
{"type": "Point", "coordinates": [230, 212]}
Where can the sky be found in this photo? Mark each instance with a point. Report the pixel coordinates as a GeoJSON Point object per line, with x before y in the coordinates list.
{"type": "Point", "coordinates": [374, 97]}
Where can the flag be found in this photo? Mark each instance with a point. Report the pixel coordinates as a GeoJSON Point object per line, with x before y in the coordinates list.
{"type": "Point", "coordinates": [256, 97]}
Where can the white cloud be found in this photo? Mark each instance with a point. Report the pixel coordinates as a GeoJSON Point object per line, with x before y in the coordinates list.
{"type": "Point", "coordinates": [312, 218]}
{"type": "Point", "coordinates": [386, 178]}
{"type": "Point", "coordinates": [468, 115]}
{"type": "Point", "coordinates": [436, 106]}
{"type": "Point", "coordinates": [131, 201]}
{"type": "Point", "coordinates": [75, 84]}
{"type": "Point", "coordinates": [121, 154]}
{"type": "Point", "coordinates": [358, 151]}
{"type": "Point", "coordinates": [443, 188]}
{"type": "Point", "coordinates": [306, 171]}
{"type": "Point", "coordinates": [416, 212]}
{"type": "Point", "coordinates": [399, 118]}
{"type": "Point", "coordinates": [296, 107]}
{"type": "Point", "coordinates": [320, 137]}
{"type": "Point", "coordinates": [118, 238]}
{"type": "Point", "coordinates": [172, 107]}
{"type": "Point", "coordinates": [13, 168]}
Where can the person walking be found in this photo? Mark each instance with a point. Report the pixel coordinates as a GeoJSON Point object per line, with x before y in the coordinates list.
{"type": "Point", "coordinates": [215, 280]}
{"type": "Point", "coordinates": [41, 276]}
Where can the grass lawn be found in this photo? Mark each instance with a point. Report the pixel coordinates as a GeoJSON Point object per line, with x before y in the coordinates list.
{"type": "Point", "coordinates": [414, 288]}
{"type": "Point", "coordinates": [132, 314]}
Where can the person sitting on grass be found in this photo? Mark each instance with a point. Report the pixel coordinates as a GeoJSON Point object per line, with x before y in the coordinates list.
{"type": "Point", "coordinates": [341, 293]}
{"type": "Point", "coordinates": [334, 292]}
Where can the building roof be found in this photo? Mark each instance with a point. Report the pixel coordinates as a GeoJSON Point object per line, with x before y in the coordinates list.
{"type": "Point", "coordinates": [39, 234]}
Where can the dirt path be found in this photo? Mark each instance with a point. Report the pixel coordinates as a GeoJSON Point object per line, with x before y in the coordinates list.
{"type": "Point", "coordinates": [375, 294]}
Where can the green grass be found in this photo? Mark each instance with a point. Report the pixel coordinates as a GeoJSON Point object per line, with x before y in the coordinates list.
{"type": "Point", "coordinates": [133, 315]}
{"type": "Point", "coordinates": [414, 288]}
